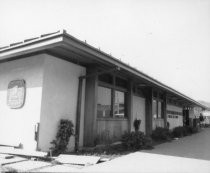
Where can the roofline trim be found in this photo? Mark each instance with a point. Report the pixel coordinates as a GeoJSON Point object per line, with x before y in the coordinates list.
{"type": "Point", "coordinates": [12, 51]}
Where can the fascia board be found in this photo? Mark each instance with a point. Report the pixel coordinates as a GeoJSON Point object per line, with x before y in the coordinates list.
{"type": "Point", "coordinates": [82, 46]}
{"type": "Point", "coordinates": [30, 48]}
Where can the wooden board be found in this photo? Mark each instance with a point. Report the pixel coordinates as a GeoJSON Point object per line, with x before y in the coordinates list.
{"type": "Point", "coordinates": [4, 161]}
{"type": "Point", "coordinates": [77, 160]}
{"type": "Point", "coordinates": [28, 165]}
{"type": "Point", "coordinates": [22, 152]}
{"type": "Point", "coordinates": [59, 168]}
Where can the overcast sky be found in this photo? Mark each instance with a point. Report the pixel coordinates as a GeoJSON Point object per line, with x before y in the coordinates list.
{"type": "Point", "coordinates": [167, 39]}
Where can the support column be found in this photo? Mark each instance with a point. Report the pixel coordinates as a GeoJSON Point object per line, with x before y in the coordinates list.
{"type": "Point", "coordinates": [165, 109]}
{"type": "Point", "coordinates": [149, 96]}
{"type": "Point", "coordinates": [90, 107]}
{"type": "Point", "coordinates": [130, 105]}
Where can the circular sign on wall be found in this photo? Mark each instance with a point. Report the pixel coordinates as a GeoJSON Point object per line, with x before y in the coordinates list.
{"type": "Point", "coordinates": [16, 94]}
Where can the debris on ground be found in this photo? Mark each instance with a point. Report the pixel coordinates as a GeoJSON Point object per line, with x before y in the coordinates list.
{"type": "Point", "coordinates": [77, 160]}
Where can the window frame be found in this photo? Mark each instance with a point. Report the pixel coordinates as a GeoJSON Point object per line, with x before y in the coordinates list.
{"type": "Point", "coordinates": [157, 96]}
{"type": "Point", "coordinates": [114, 88]}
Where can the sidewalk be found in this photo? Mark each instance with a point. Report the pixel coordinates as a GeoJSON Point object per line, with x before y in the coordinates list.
{"type": "Point", "coordinates": [196, 146]}
{"type": "Point", "coordinates": [153, 163]}
{"type": "Point", "coordinates": [188, 154]}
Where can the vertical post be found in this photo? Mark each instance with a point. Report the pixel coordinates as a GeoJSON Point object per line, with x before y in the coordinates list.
{"type": "Point", "coordinates": [149, 96]}
{"type": "Point", "coordinates": [130, 105]}
{"type": "Point", "coordinates": [165, 109]}
{"type": "Point", "coordinates": [90, 107]}
{"type": "Point", "coordinates": [78, 114]}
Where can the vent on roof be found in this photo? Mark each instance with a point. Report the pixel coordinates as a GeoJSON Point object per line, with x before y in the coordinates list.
{"type": "Point", "coordinates": [30, 39]}
{"type": "Point", "coordinates": [14, 44]}
{"type": "Point", "coordinates": [3, 47]}
{"type": "Point", "coordinates": [44, 35]}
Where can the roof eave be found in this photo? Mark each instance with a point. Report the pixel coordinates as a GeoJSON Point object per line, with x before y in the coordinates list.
{"type": "Point", "coordinates": [61, 37]}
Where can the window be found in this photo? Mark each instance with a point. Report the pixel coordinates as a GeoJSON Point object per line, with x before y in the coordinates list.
{"type": "Point", "coordinates": [121, 82]}
{"type": "Point", "coordinates": [154, 108]}
{"type": "Point", "coordinates": [106, 78]}
{"type": "Point", "coordinates": [119, 104]}
{"type": "Point", "coordinates": [104, 102]}
{"type": "Point", "coordinates": [157, 109]}
{"type": "Point", "coordinates": [111, 97]}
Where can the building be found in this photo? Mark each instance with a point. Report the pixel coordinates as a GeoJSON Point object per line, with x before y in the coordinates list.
{"type": "Point", "coordinates": [56, 76]}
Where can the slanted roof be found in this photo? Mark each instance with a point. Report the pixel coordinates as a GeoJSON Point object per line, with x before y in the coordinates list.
{"type": "Point", "coordinates": [61, 43]}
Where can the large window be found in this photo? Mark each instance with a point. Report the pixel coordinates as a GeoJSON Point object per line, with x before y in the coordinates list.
{"type": "Point", "coordinates": [104, 102]}
{"type": "Point", "coordinates": [111, 97]}
{"type": "Point", "coordinates": [154, 108]}
{"type": "Point", "coordinates": [157, 109]}
{"type": "Point", "coordinates": [119, 104]}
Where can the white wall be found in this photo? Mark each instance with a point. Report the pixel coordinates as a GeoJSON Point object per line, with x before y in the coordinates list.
{"type": "Point", "coordinates": [174, 122]}
{"type": "Point", "coordinates": [17, 125]}
{"type": "Point", "coordinates": [138, 112]}
{"type": "Point", "coordinates": [59, 99]}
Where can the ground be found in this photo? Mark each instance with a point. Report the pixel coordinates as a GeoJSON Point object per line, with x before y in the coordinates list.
{"type": "Point", "coordinates": [196, 146]}
{"type": "Point", "coordinates": [188, 154]}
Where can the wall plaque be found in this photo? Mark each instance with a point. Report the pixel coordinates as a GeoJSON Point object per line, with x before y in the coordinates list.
{"type": "Point", "coordinates": [16, 94]}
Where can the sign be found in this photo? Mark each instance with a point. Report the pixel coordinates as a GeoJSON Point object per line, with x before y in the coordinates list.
{"type": "Point", "coordinates": [16, 94]}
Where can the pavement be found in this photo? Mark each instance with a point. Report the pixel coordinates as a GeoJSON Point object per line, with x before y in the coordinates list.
{"type": "Point", "coordinates": [196, 146]}
{"type": "Point", "coordinates": [189, 154]}
{"type": "Point", "coordinates": [151, 163]}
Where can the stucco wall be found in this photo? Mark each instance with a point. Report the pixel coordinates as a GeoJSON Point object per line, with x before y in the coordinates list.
{"type": "Point", "coordinates": [17, 125]}
{"type": "Point", "coordinates": [174, 119]}
{"type": "Point", "coordinates": [59, 99]}
{"type": "Point", "coordinates": [138, 112]}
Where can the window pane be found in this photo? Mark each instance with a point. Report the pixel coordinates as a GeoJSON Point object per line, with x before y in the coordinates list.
{"type": "Point", "coordinates": [119, 104]}
{"type": "Point", "coordinates": [121, 82]}
{"type": "Point", "coordinates": [104, 102]}
{"type": "Point", "coordinates": [159, 110]}
{"type": "Point", "coordinates": [154, 108]}
{"type": "Point", "coordinates": [107, 78]}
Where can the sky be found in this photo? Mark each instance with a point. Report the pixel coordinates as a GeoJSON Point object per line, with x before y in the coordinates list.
{"type": "Point", "coordinates": [166, 39]}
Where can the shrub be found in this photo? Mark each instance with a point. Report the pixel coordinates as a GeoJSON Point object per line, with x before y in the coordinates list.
{"type": "Point", "coordinates": [194, 130]}
{"type": "Point", "coordinates": [161, 134]}
{"type": "Point", "coordinates": [178, 132]}
{"type": "Point", "coordinates": [184, 131]}
{"type": "Point", "coordinates": [135, 140]}
{"type": "Point", "coordinates": [65, 131]}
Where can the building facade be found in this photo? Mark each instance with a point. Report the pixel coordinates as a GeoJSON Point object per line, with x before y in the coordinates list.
{"type": "Point", "coordinates": [57, 76]}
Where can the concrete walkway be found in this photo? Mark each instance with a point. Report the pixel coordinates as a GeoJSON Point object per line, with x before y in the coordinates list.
{"type": "Point", "coordinates": [188, 154]}
{"type": "Point", "coordinates": [196, 146]}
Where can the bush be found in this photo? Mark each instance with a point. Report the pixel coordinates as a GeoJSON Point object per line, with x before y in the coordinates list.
{"type": "Point", "coordinates": [65, 131]}
{"type": "Point", "coordinates": [178, 132]}
{"type": "Point", "coordinates": [136, 140]}
{"type": "Point", "coordinates": [194, 130]}
{"type": "Point", "coordinates": [161, 134]}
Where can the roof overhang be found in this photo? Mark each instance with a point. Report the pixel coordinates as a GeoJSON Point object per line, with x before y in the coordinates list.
{"type": "Point", "coordinates": [63, 41]}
